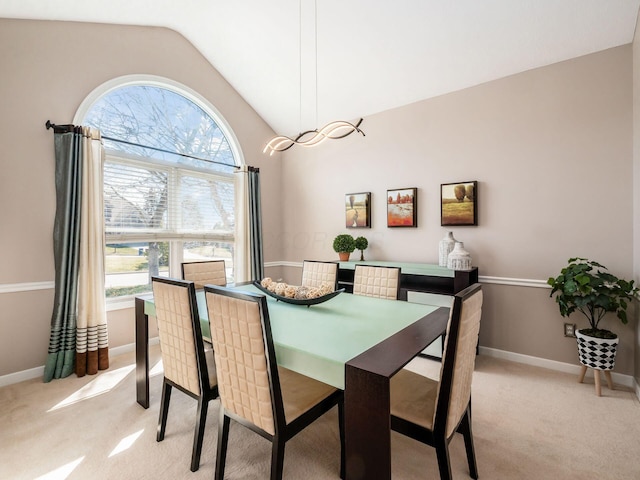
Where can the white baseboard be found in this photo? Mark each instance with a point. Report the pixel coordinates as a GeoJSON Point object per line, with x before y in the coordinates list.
{"type": "Point", "coordinates": [625, 380]}
{"type": "Point", "coordinates": [18, 377]}
{"type": "Point", "coordinates": [619, 378]}
{"type": "Point", "coordinates": [36, 372]}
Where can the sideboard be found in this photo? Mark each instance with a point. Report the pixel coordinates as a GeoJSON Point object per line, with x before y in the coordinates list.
{"type": "Point", "coordinates": [415, 277]}
{"type": "Point", "coordinates": [419, 283]}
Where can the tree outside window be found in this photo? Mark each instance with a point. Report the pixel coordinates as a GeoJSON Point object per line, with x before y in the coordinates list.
{"type": "Point", "coordinates": [168, 185]}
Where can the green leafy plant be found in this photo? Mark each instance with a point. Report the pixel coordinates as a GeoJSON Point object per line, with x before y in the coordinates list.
{"type": "Point", "coordinates": [344, 243]}
{"type": "Point", "coordinates": [361, 244]}
{"type": "Point", "coordinates": [588, 287]}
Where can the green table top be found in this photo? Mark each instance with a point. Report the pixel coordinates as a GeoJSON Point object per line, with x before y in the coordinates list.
{"type": "Point", "coordinates": [317, 341]}
{"type": "Point", "coordinates": [406, 268]}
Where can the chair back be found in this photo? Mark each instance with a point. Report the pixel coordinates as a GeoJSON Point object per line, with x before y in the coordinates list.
{"type": "Point", "coordinates": [181, 343]}
{"type": "Point", "coordinates": [205, 273]}
{"type": "Point", "coordinates": [458, 359]}
{"type": "Point", "coordinates": [315, 273]}
{"type": "Point", "coordinates": [379, 282]}
{"type": "Point", "coordinates": [248, 380]}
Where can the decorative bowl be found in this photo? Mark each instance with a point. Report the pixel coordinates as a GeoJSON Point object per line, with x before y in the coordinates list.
{"type": "Point", "coordinates": [299, 301]}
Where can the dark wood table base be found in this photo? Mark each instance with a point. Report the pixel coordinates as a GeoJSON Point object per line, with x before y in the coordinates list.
{"type": "Point", "coordinates": [142, 354]}
{"type": "Point", "coordinates": [367, 396]}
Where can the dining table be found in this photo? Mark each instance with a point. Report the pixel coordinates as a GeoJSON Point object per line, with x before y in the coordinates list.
{"type": "Point", "coordinates": [352, 342]}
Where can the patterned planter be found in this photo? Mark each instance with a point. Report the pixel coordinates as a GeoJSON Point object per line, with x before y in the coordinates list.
{"type": "Point", "coordinates": [597, 353]}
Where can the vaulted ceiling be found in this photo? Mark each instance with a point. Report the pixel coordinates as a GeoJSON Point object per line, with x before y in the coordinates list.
{"type": "Point", "coordinates": [301, 63]}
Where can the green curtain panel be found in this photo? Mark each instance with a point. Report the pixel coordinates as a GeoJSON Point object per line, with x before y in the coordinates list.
{"type": "Point", "coordinates": [66, 249]}
{"type": "Point", "coordinates": [255, 224]}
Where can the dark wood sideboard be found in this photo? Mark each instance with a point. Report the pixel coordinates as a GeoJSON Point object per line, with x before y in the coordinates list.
{"type": "Point", "coordinates": [415, 277]}
{"type": "Point", "coordinates": [420, 283]}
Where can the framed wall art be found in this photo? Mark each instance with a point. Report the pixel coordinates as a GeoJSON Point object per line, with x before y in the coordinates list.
{"type": "Point", "coordinates": [358, 210]}
{"type": "Point", "coordinates": [459, 203]}
{"type": "Point", "coordinates": [402, 207]}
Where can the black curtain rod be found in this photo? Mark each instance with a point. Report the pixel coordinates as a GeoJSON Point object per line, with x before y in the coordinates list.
{"type": "Point", "coordinates": [71, 128]}
{"type": "Point", "coordinates": [68, 128]}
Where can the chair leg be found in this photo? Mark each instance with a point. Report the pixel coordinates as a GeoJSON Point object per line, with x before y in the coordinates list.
{"type": "Point", "coordinates": [164, 410]}
{"type": "Point", "coordinates": [341, 428]}
{"type": "Point", "coordinates": [444, 465]}
{"type": "Point", "coordinates": [223, 440]}
{"type": "Point", "coordinates": [467, 433]}
{"type": "Point", "coordinates": [277, 458]}
{"type": "Point", "coordinates": [203, 407]}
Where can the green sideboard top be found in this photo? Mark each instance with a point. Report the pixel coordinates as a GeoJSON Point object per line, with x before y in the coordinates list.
{"type": "Point", "coordinates": [405, 268]}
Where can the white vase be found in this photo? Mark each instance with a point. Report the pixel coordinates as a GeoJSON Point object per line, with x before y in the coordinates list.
{"type": "Point", "coordinates": [445, 247]}
{"type": "Point", "coordinates": [459, 258]}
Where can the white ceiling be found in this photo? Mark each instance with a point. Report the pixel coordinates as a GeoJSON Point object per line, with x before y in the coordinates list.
{"type": "Point", "coordinates": [372, 55]}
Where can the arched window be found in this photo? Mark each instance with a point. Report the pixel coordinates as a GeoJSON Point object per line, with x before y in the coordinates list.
{"type": "Point", "coordinates": [168, 180]}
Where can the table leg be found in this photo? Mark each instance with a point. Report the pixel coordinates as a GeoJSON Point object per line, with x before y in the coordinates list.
{"type": "Point", "coordinates": [367, 425]}
{"type": "Point", "coordinates": [367, 396]}
{"type": "Point", "coordinates": [142, 354]}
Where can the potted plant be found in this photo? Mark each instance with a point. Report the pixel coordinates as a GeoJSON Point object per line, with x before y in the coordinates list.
{"type": "Point", "coordinates": [587, 287]}
{"type": "Point", "coordinates": [344, 244]}
{"type": "Point", "coordinates": [361, 244]}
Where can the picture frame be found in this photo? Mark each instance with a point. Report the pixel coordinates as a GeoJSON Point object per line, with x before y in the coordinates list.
{"type": "Point", "coordinates": [402, 207]}
{"type": "Point", "coordinates": [357, 210]}
{"type": "Point", "coordinates": [459, 204]}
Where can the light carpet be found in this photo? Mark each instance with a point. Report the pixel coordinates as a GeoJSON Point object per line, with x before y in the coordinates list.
{"type": "Point", "coordinates": [528, 423]}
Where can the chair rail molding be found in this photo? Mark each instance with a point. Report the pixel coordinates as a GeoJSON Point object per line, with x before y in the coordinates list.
{"type": "Point", "coordinates": [516, 282]}
{"type": "Point", "coordinates": [50, 285]}
{"type": "Point", "coordinates": [26, 286]}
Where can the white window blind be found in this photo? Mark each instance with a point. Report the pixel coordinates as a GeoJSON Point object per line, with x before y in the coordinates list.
{"type": "Point", "coordinates": [152, 200]}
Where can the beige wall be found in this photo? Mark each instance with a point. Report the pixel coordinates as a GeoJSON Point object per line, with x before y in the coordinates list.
{"type": "Point", "coordinates": [48, 69]}
{"type": "Point", "coordinates": [551, 150]}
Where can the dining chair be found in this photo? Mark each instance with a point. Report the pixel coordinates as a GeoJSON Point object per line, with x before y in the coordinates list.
{"type": "Point", "coordinates": [272, 401]}
{"type": "Point", "coordinates": [211, 272]}
{"type": "Point", "coordinates": [379, 282]}
{"type": "Point", "coordinates": [315, 273]}
{"type": "Point", "coordinates": [188, 366]}
{"type": "Point", "coordinates": [432, 411]}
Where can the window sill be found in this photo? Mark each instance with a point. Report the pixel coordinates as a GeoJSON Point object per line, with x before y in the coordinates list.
{"type": "Point", "coordinates": [120, 303]}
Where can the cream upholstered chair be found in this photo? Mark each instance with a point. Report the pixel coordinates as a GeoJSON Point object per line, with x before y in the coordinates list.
{"type": "Point", "coordinates": [187, 365]}
{"type": "Point", "coordinates": [272, 401]}
{"type": "Point", "coordinates": [379, 282]}
{"type": "Point", "coordinates": [202, 273]}
{"type": "Point", "coordinates": [315, 273]}
{"type": "Point", "coordinates": [433, 411]}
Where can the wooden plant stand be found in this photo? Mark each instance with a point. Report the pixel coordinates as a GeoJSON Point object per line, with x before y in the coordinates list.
{"type": "Point", "coordinates": [596, 378]}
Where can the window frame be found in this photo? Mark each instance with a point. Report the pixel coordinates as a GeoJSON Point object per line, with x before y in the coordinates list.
{"type": "Point", "coordinates": [176, 241]}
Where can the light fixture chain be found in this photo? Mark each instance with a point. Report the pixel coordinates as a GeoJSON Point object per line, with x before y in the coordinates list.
{"type": "Point", "coordinates": [332, 130]}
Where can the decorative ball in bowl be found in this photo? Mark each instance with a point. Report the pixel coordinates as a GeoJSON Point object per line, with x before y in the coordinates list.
{"type": "Point", "coordinates": [296, 294]}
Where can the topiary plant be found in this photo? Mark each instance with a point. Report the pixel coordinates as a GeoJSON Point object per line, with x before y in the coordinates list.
{"type": "Point", "coordinates": [361, 244]}
{"type": "Point", "coordinates": [344, 244]}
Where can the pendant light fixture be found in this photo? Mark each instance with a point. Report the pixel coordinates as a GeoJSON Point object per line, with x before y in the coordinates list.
{"type": "Point", "coordinates": [310, 138]}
